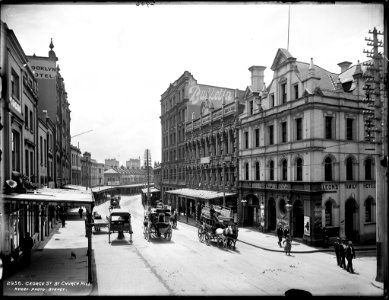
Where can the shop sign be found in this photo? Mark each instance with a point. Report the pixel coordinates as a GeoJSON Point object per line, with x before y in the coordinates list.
{"type": "Point", "coordinates": [205, 160]}
{"type": "Point", "coordinates": [369, 185]}
{"type": "Point", "coordinates": [283, 186]}
{"type": "Point", "coordinates": [351, 186]}
{"type": "Point", "coordinates": [15, 105]}
{"type": "Point", "coordinates": [307, 224]}
{"type": "Point", "coordinates": [270, 186]}
{"type": "Point", "coordinates": [329, 187]}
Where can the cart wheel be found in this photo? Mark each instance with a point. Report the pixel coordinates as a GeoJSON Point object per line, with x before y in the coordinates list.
{"type": "Point", "coordinates": [145, 232]}
{"type": "Point", "coordinates": [207, 238]}
{"type": "Point", "coordinates": [169, 235]}
{"type": "Point", "coordinates": [148, 234]}
{"type": "Point", "coordinates": [201, 234]}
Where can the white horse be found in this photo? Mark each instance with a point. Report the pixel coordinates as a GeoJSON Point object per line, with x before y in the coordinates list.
{"type": "Point", "coordinates": [222, 234]}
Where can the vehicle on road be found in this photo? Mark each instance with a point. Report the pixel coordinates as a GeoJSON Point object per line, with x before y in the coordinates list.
{"type": "Point", "coordinates": [157, 223]}
{"type": "Point", "coordinates": [217, 224]}
{"type": "Point", "coordinates": [114, 202]}
{"type": "Point", "coordinates": [119, 221]}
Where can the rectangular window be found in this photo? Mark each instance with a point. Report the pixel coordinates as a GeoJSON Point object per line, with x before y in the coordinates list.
{"type": "Point", "coordinates": [246, 140]}
{"type": "Point", "coordinates": [271, 100]}
{"type": "Point", "coordinates": [299, 129]}
{"type": "Point", "coordinates": [283, 132]}
{"type": "Point", "coordinates": [15, 85]}
{"type": "Point", "coordinates": [257, 137]}
{"type": "Point", "coordinates": [31, 164]}
{"type": "Point", "coordinates": [296, 91]}
{"type": "Point", "coordinates": [27, 163]}
{"type": "Point", "coordinates": [283, 93]}
{"type": "Point", "coordinates": [26, 116]}
{"type": "Point", "coordinates": [41, 149]}
{"type": "Point", "coordinates": [251, 107]}
{"type": "Point", "coordinates": [271, 135]}
{"type": "Point", "coordinates": [328, 127]}
{"type": "Point", "coordinates": [349, 129]}
{"type": "Point", "coordinates": [15, 140]}
{"type": "Point", "coordinates": [45, 149]}
{"type": "Point", "coordinates": [31, 122]}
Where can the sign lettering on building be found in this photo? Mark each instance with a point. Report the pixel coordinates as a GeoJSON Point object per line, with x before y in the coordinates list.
{"type": "Point", "coordinates": [369, 185]}
{"type": "Point", "coordinates": [44, 69]}
{"type": "Point", "coordinates": [283, 186]}
{"type": "Point", "coordinates": [329, 187]}
{"type": "Point", "coordinates": [15, 105]}
{"type": "Point", "coordinates": [351, 186]}
{"type": "Point", "coordinates": [198, 93]}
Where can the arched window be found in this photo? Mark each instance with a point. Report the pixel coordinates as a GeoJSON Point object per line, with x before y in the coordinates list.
{"type": "Point", "coordinates": [284, 169]}
{"type": "Point", "coordinates": [246, 171]}
{"type": "Point", "coordinates": [257, 170]}
{"type": "Point", "coordinates": [349, 168]}
{"type": "Point", "coordinates": [368, 169]}
{"type": "Point", "coordinates": [299, 171]}
{"type": "Point", "coordinates": [328, 169]}
{"type": "Point", "coordinates": [328, 213]}
{"type": "Point", "coordinates": [271, 170]}
{"type": "Point", "coordinates": [282, 207]}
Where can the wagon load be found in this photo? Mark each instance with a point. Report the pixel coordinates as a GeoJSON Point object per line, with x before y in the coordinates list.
{"type": "Point", "coordinates": [217, 224]}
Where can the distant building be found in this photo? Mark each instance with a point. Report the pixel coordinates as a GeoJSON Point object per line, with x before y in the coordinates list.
{"type": "Point", "coordinates": [111, 162]}
{"type": "Point", "coordinates": [133, 163]}
{"type": "Point", "coordinates": [76, 165]}
{"type": "Point", "coordinates": [126, 176]}
{"type": "Point", "coordinates": [92, 172]}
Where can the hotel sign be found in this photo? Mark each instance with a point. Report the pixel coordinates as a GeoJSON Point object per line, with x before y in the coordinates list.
{"type": "Point", "coordinates": [44, 69]}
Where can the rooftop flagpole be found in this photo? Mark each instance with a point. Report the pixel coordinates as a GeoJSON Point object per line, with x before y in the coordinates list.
{"type": "Point", "coordinates": [288, 27]}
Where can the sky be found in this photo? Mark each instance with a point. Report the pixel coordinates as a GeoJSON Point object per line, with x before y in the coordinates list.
{"type": "Point", "coordinates": [117, 59]}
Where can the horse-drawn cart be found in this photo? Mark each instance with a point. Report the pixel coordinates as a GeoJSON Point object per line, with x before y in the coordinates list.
{"type": "Point", "coordinates": [217, 223]}
{"type": "Point", "coordinates": [157, 223]}
{"type": "Point", "coordinates": [119, 221]}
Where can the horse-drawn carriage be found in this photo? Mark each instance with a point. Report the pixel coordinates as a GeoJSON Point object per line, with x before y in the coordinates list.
{"type": "Point", "coordinates": [157, 223]}
{"type": "Point", "coordinates": [114, 202]}
{"type": "Point", "coordinates": [119, 221]}
{"type": "Point", "coordinates": [217, 223]}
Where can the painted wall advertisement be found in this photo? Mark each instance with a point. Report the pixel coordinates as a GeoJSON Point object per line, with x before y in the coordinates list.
{"type": "Point", "coordinates": [307, 226]}
{"type": "Point", "coordinates": [199, 93]}
{"type": "Point", "coordinates": [44, 69]}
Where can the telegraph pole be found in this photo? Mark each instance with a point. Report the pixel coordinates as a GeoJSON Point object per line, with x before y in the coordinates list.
{"type": "Point", "coordinates": [376, 129]}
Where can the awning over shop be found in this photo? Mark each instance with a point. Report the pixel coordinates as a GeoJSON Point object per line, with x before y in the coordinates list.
{"type": "Point", "coordinates": [47, 195]}
{"type": "Point", "coordinates": [200, 194]}
{"type": "Point", "coordinates": [152, 190]}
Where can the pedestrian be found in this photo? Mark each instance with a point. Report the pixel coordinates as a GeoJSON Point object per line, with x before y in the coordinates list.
{"type": "Point", "coordinates": [280, 233]}
{"type": "Point", "coordinates": [63, 218]}
{"type": "Point", "coordinates": [350, 254]}
{"type": "Point", "coordinates": [27, 245]}
{"type": "Point", "coordinates": [343, 254]}
{"type": "Point", "coordinates": [286, 231]}
{"type": "Point", "coordinates": [337, 246]}
{"type": "Point", "coordinates": [288, 244]}
{"type": "Point", "coordinates": [80, 211]}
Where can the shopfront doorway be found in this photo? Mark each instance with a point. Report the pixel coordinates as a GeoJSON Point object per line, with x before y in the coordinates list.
{"type": "Point", "coordinates": [271, 215]}
{"type": "Point", "coordinates": [298, 219]}
{"type": "Point", "coordinates": [351, 219]}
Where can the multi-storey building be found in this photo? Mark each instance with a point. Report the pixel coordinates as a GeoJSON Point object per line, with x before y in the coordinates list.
{"type": "Point", "coordinates": [110, 163]}
{"type": "Point", "coordinates": [199, 145]}
{"type": "Point", "coordinates": [126, 176]}
{"type": "Point", "coordinates": [133, 163]}
{"type": "Point", "coordinates": [92, 172]}
{"type": "Point", "coordinates": [303, 159]}
{"type": "Point", "coordinates": [53, 103]}
{"type": "Point", "coordinates": [76, 165]}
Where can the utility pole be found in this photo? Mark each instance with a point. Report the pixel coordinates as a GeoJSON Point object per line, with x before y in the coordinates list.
{"type": "Point", "coordinates": [147, 164]}
{"type": "Point", "coordinates": [376, 132]}
{"type": "Point", "coordinates": [224, 155]}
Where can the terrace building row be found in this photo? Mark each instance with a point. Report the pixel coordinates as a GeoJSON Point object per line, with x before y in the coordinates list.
{"type": "Point", "coordinates": [291, 153]}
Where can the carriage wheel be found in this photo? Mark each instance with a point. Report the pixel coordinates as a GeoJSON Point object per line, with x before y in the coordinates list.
{"type": "Point", "coordinates": [207, 238]}
{"type": "Point", "coordinates": [169, 234]}
{"type": "Point", "coordinates": [147, 234]}
{"type": "Point", "coordinates": [201, 234]}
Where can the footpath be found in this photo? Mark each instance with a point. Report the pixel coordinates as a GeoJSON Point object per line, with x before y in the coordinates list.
{"type": "Point", "coordinates": [58, 267]}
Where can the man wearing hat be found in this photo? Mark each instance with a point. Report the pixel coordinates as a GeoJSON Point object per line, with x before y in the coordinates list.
{"type": "Point", "coordinates": [337, 246]}
{"type": "Point", "coordinates": [350, 254]}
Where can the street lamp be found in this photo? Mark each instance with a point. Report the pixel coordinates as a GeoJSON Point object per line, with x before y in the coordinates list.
{"type": "Point", "coordinates": [243, 201]}
{"type": "Point", "coordinates": [288, 207]}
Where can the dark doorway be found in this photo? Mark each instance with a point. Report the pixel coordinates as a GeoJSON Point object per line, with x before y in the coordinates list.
{"type": "Point", "coordinates": [298, 219]}
{"type": "Point", "coordinates": [351, 217]}
{"type": "Point", "coordinates": [272, 217]}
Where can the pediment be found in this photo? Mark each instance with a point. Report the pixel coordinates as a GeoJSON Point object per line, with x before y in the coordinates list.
{"type": "Point", "coordinates": [281, 58]}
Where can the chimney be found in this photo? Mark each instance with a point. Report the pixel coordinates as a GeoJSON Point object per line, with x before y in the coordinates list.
{"type": "Point", "coordinates": [46, 116]}
{"type": "Point", "coordinates": [257, 77]}
{"type": "Point", "coordinates": [344, 65]}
